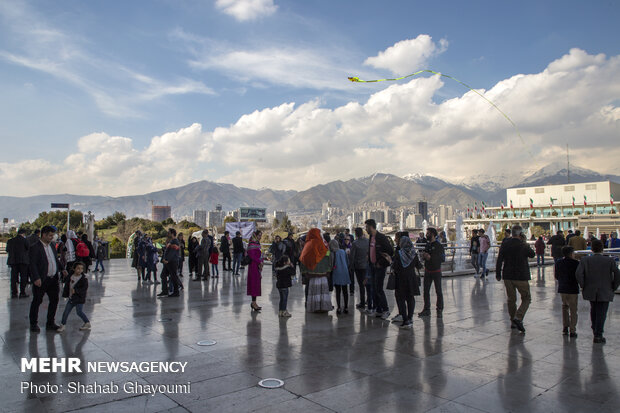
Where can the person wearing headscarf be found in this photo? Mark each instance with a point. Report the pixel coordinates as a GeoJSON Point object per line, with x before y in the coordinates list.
{"type": "Point", "coordinates": [255, 268]}
{"type": "Point", "coordinates": [340, 275]}
{"type": "Point", "coordinates": [70, 256]}
{"type": "Point", "coordinates": [407, 286]}
{"type": "Point", "coordinates": [316, 263]}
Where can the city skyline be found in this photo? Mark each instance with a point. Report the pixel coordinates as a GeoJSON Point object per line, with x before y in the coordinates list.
{"type": "Point", "coordinates": [255, 93]}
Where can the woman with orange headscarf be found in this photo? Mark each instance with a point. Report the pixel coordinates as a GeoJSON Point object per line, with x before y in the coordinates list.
{"type": "Point", "coordinates": [316, 264]}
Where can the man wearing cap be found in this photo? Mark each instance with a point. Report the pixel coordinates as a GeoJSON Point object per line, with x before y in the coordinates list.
{"type": "Point", "coordinates": [44, 271]}
{"type": "Point", "coordinates": [17, 249]}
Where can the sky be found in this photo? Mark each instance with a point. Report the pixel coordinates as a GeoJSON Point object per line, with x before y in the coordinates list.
{"type": "Point", "coordinates": [119, 98]}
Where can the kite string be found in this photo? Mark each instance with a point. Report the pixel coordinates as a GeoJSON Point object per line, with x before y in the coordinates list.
{"type": "Point", "coordinates": [357, 79]}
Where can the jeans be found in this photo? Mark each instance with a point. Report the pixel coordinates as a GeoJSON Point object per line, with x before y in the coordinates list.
{"type": "Point", "coordinates": [345, 293]}
{"type": "Point", "coordinates": [225, 258]}
{"type": "Point", "coordinates": [78, 311]}
{"type": "Point", "coordinates": [49, 286]}
{"type": "Point", "coordinates": [214, 269]}
{"type": "Point", "coordinates": [97, 265]}
{"type": "Point", "coordinates": [475, 261]}
{"type": "Point", "coordinates": [540, 258]}
{"type": "Point", "coordinates": [482, 262]}
{"type": "Point", "coordinates": [371, 303]}
{"type": "Point", "coordinates": [283, 298]}
{"type": "Point", "coordinates": [430, 278]}
{"type": "Point", "coordinates": [598, 315]}
{"type": "Point", "coordinates": [378, 278]}
{"type": "Point", "coordinates": [512, 286]}
{"type": "Point", "coordinates": [170, 269]}
{"type": "Point", "coordinates": [237, 262]}
{"type": "Point", "coordinates": [203, 266]}
{"type": "Point", "coordinates": [360, 274]}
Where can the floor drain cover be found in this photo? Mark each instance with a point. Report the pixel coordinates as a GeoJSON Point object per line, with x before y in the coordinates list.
{"type": "Point", "coordinates": [271, 383]}
{"type": "Point", "coordinates": [165, 320]}
{"type": "Point", "coordinates": [207, 343]}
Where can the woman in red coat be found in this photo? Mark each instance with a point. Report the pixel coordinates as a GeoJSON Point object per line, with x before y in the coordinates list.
{"type": "Point", "coordinates": [255, 269]}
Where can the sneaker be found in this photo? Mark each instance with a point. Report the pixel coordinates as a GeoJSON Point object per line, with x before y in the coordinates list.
{"type": "Point", "coordinates": [406, 325]}
{"type": "Point", "coordinates": [360, 306]}
{"type": "Point", "coordinates": [370, 311]}
{"type": "Point", "coordinates": [397, 319]}
{"type": "Point", "coordinates": [565, 331]}
{"type": "Point", "coordinates": [345, 310]}
{"type": "Point", "coordinates": [162, 294]}
{"type": "Point", "coordinates": [61, 328]}
{"type": "Point", "coordinates": [35, 328]}
{"type": "Point", "coordinates": [338, 311]}
{"type": "Point", "coordinates": [425, 313]}
{"type": "Point", "coordinates": [600, 339]}
{"type": "Point", "coordinates": [519, 325]}
{"type": "Point", "coordinates": [157, 282]}
{"type": "Point", "coordinates": [86, 326]}
{"type": "Point", "coordinates": [174, 295]}
{"type": "Point", "coordinates": [385, 315]}
{"type": "Point", "coordinates": [573, 335]}
{"type": "Point", "coordinates": [286, 314]}
{"type": "Point", "coordinates": [512, 325]}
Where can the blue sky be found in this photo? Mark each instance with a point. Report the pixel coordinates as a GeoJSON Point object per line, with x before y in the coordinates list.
{"type": "Point", "coordinates": [248, 91]}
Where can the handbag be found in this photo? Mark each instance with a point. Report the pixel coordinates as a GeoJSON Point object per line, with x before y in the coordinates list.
{"type": "Point", "coordinates": [391, 283]}
{"type": "Point", "coordinates": [246, 260]}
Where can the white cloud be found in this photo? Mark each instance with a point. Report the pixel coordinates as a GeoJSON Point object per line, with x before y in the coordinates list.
{"type": "Point", "coordinates": [244, 10]}
{"type": "Point", "coordinates": [408, 55]}
{"type": "Point", "coordinates": [399, 129]}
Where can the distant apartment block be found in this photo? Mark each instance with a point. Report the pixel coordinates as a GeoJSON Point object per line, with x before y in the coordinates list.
{"type": "Point", "coordinates": [200, 218]}
{"type": "Point", "coordinates": [160, 213]}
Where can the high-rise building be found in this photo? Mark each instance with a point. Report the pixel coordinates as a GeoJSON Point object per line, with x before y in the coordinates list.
{"type": "Point", "coordinates": [423, 209]}
{"type": "Point", "coordinates": [279, 215]}
{"type": "Point", "coordinates": [414, 221]}
{"type": "Point", "coordinates": [215, 218]}
{"type": "Point", "coordinates": [160, 213]}
{"type": "Point", "coordinates": [444, 213]}
{"type": "Point", "coordinates": [200, 218]}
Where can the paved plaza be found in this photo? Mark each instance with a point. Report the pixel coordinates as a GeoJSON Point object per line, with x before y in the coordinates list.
{"type": "Point", "coordinates": [470, 361]}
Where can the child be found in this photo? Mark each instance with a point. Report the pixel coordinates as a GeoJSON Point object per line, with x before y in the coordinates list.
{"type": "Point", "coordinates": [568, 287]}
{"type": "Point", "coordinates": [284, 272]}
{"type": "Point", "coordinates": [100, 255]}
{"type": "Point", "coordinates": [75, 288]}
{"type": "Point", "coordinates": [214, 258]}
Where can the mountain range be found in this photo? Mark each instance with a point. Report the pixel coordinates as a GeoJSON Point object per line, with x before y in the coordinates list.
{"type": "Point", "coordinates": [346, 194]}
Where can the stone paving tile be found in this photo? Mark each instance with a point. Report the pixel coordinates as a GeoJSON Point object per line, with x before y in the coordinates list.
{"type": "Point", "coordinates": [469, 361]}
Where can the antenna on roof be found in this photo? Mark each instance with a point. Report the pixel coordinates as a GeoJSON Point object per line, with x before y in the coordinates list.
{"type": "Point", "coordinates": [567, 166]}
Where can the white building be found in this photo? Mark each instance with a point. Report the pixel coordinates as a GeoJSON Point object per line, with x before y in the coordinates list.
{"type": "Point", "coordinates": [279, 215]}
{"type": "Point", "coordinates": [200, 218]}
{"type": "Point", "coordinates": [563, 195]}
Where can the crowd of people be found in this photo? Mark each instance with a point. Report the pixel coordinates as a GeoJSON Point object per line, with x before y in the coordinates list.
{"type": "Point", "coordinates": [326, 266]}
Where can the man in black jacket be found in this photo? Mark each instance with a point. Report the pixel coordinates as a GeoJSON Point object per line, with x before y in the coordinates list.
{"type": "Point", "coordinates": [379, 252]}
{"type": "Point", "coordinates": [513, 266]}
{"type": "Point", "coordinates": [568, 288]}
{"type": "Point", "coordinates": [238, 252]}
{"type": "Point", "coordinates": [44, 270]}
{"type": "Point", "coordinates": [17, 249]}
{"type": "Point", "coordinates": [433, 257]}
{"type": "Point", "coordinates": [557, 242]}
{"type": "Point", "coordinates": [225, 248]}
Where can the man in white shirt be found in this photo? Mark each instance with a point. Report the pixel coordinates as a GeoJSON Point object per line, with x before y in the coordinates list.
{"type": "Point", "coordinates": [44, 271]}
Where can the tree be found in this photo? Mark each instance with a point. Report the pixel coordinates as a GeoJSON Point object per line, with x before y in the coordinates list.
{"type": "Point", "coordinates": [185, 224]}
{"type": "Point", "coordinates": [168, 221]}
{"type": "Point", "coordinates": [286, 225]}
{"type": "Point", "coordinates": [275, 223]}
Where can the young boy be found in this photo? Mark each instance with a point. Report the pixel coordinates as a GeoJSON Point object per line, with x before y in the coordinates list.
{"type": "Point", "coordinates": [569, 289]}
{"type": "Point", "coordinates": [284, 272]}
{"type": "Point", "coordinates": [75, 288]}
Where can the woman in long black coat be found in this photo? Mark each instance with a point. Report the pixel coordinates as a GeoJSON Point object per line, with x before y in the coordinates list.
{"type": "Point", "coordinates": [407, 285]}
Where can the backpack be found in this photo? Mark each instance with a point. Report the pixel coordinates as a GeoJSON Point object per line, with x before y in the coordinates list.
{"type": "Point", "coordinates": [82, 249]}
